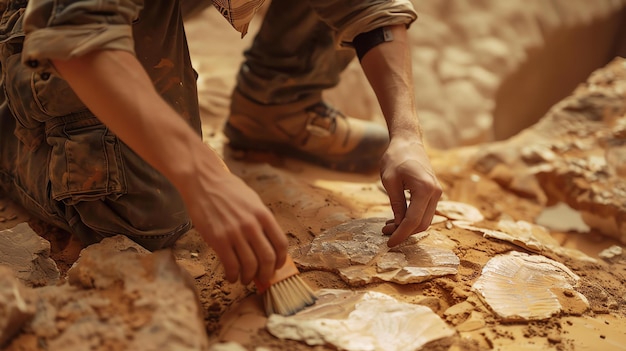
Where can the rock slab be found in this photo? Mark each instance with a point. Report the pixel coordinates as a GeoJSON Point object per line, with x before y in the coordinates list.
{"type": "Point", "coordinates": [118, 296]}
{"type": "Point", "coordinates": [28, 256]}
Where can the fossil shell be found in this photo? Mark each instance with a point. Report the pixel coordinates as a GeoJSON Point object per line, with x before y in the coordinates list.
{"type": "Point", "coordinates": [363, 321]}
{"type": "Point", "coordinates": [528, 287]}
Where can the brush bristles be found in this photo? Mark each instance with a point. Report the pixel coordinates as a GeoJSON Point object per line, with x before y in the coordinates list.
{"type": "Point", "coordinates": [288, 296]}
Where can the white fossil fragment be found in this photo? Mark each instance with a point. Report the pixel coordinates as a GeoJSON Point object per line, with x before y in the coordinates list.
{"type": "Point", "coordinates": [361, 321]}
{"type": "Point", "coordinates": [611, 252]}
{"type": "Point", "coordinates": [518, 286]}
{"type": "Point", "coordinates": [459, 211]}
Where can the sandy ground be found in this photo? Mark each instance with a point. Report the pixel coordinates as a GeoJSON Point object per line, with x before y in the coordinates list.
{"type": "Point", "coordinates": [308, 200]}
{"type": "Point", "coordinates": [328, 198]}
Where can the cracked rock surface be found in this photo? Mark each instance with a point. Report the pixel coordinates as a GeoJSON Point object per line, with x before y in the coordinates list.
{"type": "Point", "coordinates": [358, 251]}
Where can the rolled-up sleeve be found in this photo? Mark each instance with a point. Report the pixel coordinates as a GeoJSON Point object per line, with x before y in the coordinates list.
{"type": "Point", "coordinates": [350, 18]}
{"type": "Point", "coordinates": [62, 29]}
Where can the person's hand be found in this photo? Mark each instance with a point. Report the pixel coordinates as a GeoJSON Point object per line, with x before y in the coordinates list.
{"type": "Point", "coordinates": [405, 166]}
{"type": "Point", "coordinates": [233, 220]}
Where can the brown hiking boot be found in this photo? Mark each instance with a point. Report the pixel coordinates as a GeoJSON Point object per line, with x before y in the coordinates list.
{"type": "Point", "coordinates": [309, 130]}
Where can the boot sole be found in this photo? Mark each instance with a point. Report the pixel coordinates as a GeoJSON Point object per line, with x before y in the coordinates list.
{"type": "Point", "coordinates": [238, 141]}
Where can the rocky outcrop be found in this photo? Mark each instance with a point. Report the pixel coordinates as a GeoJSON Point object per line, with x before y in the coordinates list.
{"type": "Point", "coordinates": [118, 296]}
{"type": "Point", "coordinates": [576, 154]}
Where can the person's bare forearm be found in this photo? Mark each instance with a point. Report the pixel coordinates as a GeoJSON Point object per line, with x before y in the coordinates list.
{"type": "Point", "coordinates": [405, 164]}
{"type": "Point", "coordinates": [388, 69]}
{"type": "Point", "coordinates": [125, 100]}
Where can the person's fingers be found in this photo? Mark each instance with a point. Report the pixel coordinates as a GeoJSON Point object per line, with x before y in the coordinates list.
{"type": "Point", "coordinates": [409, 223]}
{"type": "Point", "coordinates": [419, 213]}
{"type": "Point", "coordinates": [395, 192]}
{"type": "Point", "coordinates": [265, 255]}
{"type": "Point", "coordinates": [277, 239]}
{"type": "Point", "coordinates": [247, 256]}
{"type": "Point", "coordinates": [429, 213]}
{"type": "Point", "coordinates": [412, 218]}
{"type": "Point", "coordinates": [389, 227]}
{"type": "Point", "coordinates": [226, 253]}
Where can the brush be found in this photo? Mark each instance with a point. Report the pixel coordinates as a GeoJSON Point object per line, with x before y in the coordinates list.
{"type": "Point", "coordinates": [286, 293]}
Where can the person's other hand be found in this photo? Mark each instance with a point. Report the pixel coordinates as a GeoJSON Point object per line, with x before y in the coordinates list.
{"type": "Point", "coordinates": [405, 166]}
{"type": "Point", "coordinates": [233, 220]}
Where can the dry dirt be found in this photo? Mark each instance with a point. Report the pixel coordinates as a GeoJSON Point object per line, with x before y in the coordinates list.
{"type": "Point", "coordinates": [308, 200]}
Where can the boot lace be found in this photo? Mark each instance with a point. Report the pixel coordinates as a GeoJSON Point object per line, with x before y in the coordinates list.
{"type": "Point", "coordinates": [322, 119]}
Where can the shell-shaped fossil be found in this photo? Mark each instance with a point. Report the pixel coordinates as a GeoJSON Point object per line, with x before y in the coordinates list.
{"type": "Point", "coordinates": [529, 287]}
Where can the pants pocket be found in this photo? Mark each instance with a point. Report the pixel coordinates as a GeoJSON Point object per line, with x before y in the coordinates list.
{"type": "Point", "coordinates": [85, 162]}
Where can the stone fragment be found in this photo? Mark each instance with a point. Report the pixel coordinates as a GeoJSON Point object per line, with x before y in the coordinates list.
{"type": "Point", "coordinates": [528, 236]}
{"type": "Point", "coordinates": [459, 211]}
{"type": "Point", "coordinates": [438, 219]}
{"type": "Point", "coordinates": [358, 251]}
{"type": "Point", "coordinates": [475, 321]}
{"type": "Point", "coordinates": [518, 286]}
{"type": "Point", "coordinates": [563, 218]}
{"type": "Point", "coordinates": [28, 256]}
{"type": "Point", "coordinates": [461, 308]}
{"type": "Point", "coordinates": [611, 252]}
{"type": "Point", "coordinates": [16, 305]}
{"type": "Point", "coordinates": [193, 267]}
{"type": "Point", "coordinates": [108, 262]}
{"type": "Point", "coordinates": [353, 321]}
{"type": "Point", "coordinates": [120, 297]}
{"type": "Point", "coordinates": [391, 261]}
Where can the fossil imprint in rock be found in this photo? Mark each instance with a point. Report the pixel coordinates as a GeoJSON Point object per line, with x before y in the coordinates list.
{"type": "Point", "coordinates": [518, 286]}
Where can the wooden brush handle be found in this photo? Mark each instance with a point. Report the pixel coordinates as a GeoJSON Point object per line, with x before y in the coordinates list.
{"type": "Point", "coordinates": [285, 271]}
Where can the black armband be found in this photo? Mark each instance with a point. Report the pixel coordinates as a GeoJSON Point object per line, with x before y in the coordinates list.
{"type": "Point", "coordinates": [364, 42]}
